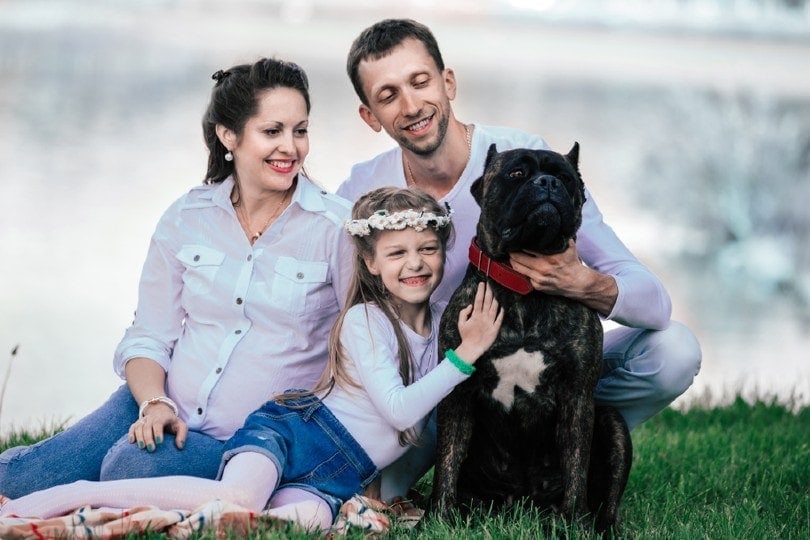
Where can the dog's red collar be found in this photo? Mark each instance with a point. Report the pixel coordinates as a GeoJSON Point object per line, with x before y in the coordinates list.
{"type": "Point", "coordinates": [501, 272]}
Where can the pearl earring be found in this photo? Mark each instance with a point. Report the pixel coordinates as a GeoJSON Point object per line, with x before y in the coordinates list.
{"type": "Point", "coordinates": [228, 156]}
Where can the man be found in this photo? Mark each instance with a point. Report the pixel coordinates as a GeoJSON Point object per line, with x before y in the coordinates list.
{"type": "Point", "coordinates": [404, 88]}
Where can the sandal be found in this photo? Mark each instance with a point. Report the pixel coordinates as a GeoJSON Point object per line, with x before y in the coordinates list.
{"type": "Point", "coordinates": [364, 514]}
{"type": "Point", "coordinates": [405, 511]}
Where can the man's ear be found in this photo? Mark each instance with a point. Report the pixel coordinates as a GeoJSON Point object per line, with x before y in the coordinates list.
{"type": "Point", "coordinates": [369, 118]}
{"type": "Point", "coordinates": [226, 136]}
{"type": "Point", "coordinates": [450, 83]}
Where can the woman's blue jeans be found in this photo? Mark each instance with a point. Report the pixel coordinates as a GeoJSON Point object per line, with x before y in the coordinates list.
{"type": "Point", "coordinates": [96, 448]}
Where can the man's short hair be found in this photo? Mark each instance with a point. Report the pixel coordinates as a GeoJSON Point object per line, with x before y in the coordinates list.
{"type": "Point", "coordinates": [379, 39]}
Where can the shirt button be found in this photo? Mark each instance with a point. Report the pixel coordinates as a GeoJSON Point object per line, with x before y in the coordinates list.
{"type": "Point", "coordinates": [250, 258]}
{"type": "Point", "coordinates": [323, 192]}
{"type": "Point", "coordinates": [219, 370]}
{"type": "Point", "coordinates": [196, 258]}
{"type": "Point", "coordinates": [199, 410]}
{"type": "Point", "coordinates": [238, 301]}
{"type": "Point", "coordinates": [238, 332]}
{"type": "Point", "coordinates": [300, 275]}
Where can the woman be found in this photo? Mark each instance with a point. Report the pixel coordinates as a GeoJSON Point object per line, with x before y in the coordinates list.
{"type": "Point", "coordinates": [240, 287]}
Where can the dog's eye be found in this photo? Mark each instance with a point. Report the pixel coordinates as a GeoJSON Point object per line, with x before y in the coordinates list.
{"type": "Point", "coordinates": [517, 173]}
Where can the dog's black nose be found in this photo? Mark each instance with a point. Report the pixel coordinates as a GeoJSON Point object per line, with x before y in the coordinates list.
{"type": "Point", "coordinates": [547, 181]}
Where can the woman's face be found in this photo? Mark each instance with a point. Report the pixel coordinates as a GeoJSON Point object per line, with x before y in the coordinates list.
{"type": "Point", "coordinates": [274, 143]}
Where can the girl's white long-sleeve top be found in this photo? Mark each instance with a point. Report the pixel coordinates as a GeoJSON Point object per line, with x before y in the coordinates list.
{"type": "Point", "coordinates": [384, 406]}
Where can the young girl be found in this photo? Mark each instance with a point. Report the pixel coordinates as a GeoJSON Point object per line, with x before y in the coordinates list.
{"type": "Point", "coordinates": [382, 381]}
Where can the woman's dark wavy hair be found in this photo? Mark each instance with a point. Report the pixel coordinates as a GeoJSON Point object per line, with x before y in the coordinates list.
{"type": "Point", "coordinates": [234, 100]}
{"type": "Point", "coordinates": [379, 39]}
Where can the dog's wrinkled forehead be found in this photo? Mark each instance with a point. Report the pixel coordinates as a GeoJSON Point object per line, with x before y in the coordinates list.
{"type": "Point", "coordinates": [523, 164]}
{"type": "Point", "coordinates": [505, 169]}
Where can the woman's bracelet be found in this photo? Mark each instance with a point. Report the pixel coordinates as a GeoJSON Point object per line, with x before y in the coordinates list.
{"type": "Point", "coordinates": [157, 399]}
{"type": "Point", "coordinates": [461, 365]}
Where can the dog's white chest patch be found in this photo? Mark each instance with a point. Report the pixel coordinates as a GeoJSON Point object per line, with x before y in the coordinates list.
{"type": "Point", "coordinates": [520, 369]}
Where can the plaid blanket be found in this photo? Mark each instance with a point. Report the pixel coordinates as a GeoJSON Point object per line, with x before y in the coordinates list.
{"type": "Point", "coordinates": [358, 512]}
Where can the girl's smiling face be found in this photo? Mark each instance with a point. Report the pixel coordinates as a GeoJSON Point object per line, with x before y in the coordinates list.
{"type": "Point", "coordinates": [410, 264]}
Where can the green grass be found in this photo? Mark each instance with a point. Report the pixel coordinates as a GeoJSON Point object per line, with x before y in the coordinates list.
{"type": "Point", "coordinates": [740, 471]}
{"type": "Point", "coordinates": [737, 472]}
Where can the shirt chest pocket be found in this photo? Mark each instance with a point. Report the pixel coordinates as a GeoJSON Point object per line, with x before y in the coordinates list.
{"type": "Point", "coordinates": [301, 286]}
{"type": "Point", "coordinates": [202, 264]}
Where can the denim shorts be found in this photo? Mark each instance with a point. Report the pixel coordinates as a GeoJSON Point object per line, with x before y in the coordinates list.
{"type": "Point", "coordinates": [310, 447]}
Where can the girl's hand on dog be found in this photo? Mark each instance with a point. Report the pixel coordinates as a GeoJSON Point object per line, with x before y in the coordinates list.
{"type": "Point", "coordinates": [479, 324]}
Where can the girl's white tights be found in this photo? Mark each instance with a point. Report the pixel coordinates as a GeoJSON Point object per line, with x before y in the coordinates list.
{"type": "Point", "coordinates": [302, 507]}
{"type": "Point", "coordinates": [248, 480]}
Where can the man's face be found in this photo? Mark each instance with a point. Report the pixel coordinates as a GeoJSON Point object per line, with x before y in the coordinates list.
{"type": "Point", "coordinates": [408, 97]}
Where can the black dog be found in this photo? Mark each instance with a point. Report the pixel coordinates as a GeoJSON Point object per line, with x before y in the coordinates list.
{"type": "Point", "coordinates": [524, 426]}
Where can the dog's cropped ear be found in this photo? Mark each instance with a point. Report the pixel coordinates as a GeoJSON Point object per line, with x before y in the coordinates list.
{"type": "Point", "coordinates": [490, 154]}
{"type": "Point", "coordinates": [477, 187]}
{"type": "Point", "coordinates": [573, 156]}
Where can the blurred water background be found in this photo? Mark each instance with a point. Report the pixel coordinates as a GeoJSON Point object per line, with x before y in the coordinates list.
{"type": "Point", "coordinates": [693, 117]}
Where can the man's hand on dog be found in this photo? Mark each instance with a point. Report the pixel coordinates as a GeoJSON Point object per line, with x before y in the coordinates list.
{"type": "Point", "coordinates": [478, 324]}
{"type": "Point", "coordinates": [563, 274]}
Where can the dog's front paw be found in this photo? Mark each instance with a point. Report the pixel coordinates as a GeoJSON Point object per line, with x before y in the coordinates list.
{"type": "Point", "coordinates": [441, 505]}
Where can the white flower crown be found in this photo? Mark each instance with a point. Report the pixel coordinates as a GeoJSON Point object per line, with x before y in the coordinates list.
{"type": "Point", "coordinates": [382, 220]}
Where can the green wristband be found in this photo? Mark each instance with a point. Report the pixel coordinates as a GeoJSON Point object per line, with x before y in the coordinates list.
{"type": "Point", "coordinates": [461, 365]}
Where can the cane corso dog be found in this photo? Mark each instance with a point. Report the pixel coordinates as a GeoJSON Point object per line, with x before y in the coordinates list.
{"type": "Point", "coordinates": [523, 428]}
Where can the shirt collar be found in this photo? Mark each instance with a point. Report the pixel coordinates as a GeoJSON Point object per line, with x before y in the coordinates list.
{"type": "Point", "coordinates": [213, 195]}
{"type": "Point", "coordinates": [309, 196]}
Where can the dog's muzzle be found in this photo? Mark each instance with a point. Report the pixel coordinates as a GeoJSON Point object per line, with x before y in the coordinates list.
{"type": "Point", "coordinates": [540, 212]}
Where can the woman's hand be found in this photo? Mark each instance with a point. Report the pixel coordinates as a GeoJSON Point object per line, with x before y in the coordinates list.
{"type": "Point", "coordinates": [479, 324]}
{"type": "Point", "coordinates": [148, 431]}
{"type": "Point", "coordinates": [147, 379]}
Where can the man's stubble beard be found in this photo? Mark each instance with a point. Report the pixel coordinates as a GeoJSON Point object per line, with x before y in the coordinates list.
{"type": "Point", "coordinates": [429, 150]}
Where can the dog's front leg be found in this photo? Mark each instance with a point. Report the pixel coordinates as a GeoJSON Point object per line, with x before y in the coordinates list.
{"type": "Point", "coordinates": [454, 425]}
{"type": "Point", "coordinates": [574, 434]}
